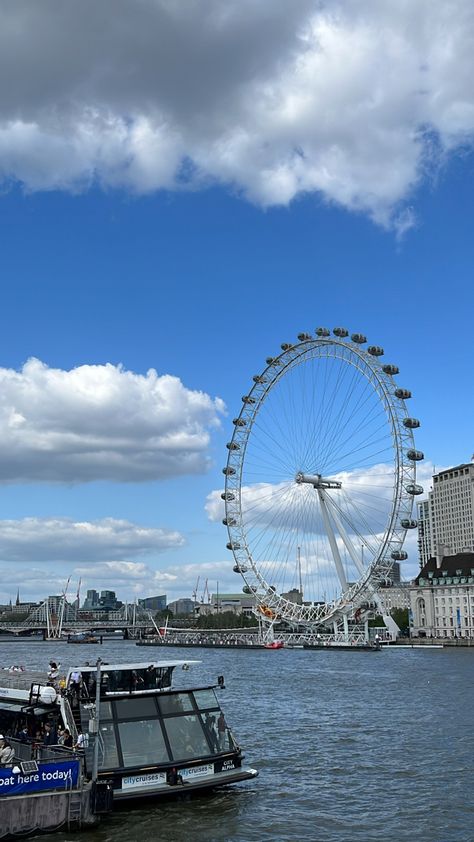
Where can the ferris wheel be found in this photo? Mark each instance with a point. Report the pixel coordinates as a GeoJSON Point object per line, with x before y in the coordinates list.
{"type": "Point", "coordinates": [320, 478]}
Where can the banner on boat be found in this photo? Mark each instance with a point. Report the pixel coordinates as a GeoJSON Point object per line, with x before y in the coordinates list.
{"type": "Point", "coordinates": [48, 776]}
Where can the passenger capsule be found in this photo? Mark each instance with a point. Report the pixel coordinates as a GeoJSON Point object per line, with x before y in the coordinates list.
{"type": "Point", "coordinates": [248, 399]}
{"type": "Point", "coordinates": [359, 338]}
{"type": "Point", "coordinates": [248, 589]}
{"type": "Point", "coordinates": [391, 369]}
{"type": "Point", "coordinates": [303, 337]}
{"type": "Point", "coordinates": [227, 495]}
{"type": "Point", "coordinates": [239, 568]}
{"type": "Point", "coordinates": [273, 361]}
{"type": "Point", "coordinates": [414, 489]}
{"type": "Point", "coordinates": [233, 545]}
{"type": "Point", "coordinates": [375, 350]}
{"type": "Point", "coordinates": [340, 331]}
{"type": "Point", "coordinates": [228, 471]}
{"type": "Point", "coordinates": [258, 378]}
{"type": "Point", "coordinates": [399, 555]}
{"type": "Point", "coordinates": [285, 346]}
{"type": "Point", "coordinates": [322, 331]}
{"type": "Point", "coordinates": [239, 422]}
{"type": "Point", "coordinates": [409, 523]}
{"type": "Point", "coordinates": [411, 423]}
{"type": "Point", "coordinates": [415, 455]}
{"type": "Point", "coordinates": [232, 445]}
{"type": "Point", "coordinates": [403, 394]}
{"type": "Point", "coordinates": [229, 521]}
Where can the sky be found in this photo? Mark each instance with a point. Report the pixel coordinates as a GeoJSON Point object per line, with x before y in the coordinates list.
{"type": "Point", "coordinates": [184, 186]}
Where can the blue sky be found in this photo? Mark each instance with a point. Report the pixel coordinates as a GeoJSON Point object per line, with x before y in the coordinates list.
{"type": "Point", "coordinates": [201, 279]}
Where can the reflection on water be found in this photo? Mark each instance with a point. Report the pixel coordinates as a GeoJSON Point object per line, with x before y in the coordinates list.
{"type": "Point", "coordinates": [351, 746]}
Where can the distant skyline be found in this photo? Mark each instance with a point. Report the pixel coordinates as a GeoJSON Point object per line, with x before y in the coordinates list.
{"type": "Point", "coordinates": [168, 217]}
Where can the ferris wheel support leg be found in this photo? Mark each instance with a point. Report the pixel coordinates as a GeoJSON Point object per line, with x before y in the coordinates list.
{"type": "Point", "coordinates": [347, 541]}
{"type": "Point", "coordinates": [346, 627]}
{"type": "Point", "coordinates": [332, 539]}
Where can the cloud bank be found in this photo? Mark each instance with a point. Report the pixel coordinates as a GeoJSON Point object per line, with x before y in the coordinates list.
{"type": "Point", "coordinates": [64, 540]}
{"type": "Point", "coordinates": [100, 422]}
{"type": "Point", "coordinates": [353, 101]}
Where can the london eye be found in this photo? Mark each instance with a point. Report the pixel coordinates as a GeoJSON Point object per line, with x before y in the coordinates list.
{"type": "Point", "coordinates": [320, 478]}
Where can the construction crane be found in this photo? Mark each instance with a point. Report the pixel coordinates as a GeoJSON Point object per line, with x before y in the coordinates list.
{"type": "Point", "coordinates": [194, 593]}
{"type": "Point", "coordinates": [206, 591]}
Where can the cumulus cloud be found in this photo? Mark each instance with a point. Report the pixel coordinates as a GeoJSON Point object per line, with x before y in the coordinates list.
{"type": "Point", "coordinates": [353, 101]}
{"type": "Point", "coordinates": [101, 422]}
{"type": "Point", "coordinates": [61, 539]}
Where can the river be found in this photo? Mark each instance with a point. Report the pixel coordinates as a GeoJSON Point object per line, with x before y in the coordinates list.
{"type": "Point", "coordinates": [350, 746]}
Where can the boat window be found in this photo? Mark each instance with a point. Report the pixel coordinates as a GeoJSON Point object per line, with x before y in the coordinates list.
{"type": "Point", "coordinates": [186, 737]}
{"type": "Point", "coordinates": [108, 756]}
{"type": "Point", "coordinates": [175, 703]}
{"type": "Point", "coordinates": [206, 699]}
{"type": "Point", "coordinates": [142, 743]}
{"type": "Point", "coordinates": [136, 706]}
{"type": "Point", "coordinates": [105, 710]}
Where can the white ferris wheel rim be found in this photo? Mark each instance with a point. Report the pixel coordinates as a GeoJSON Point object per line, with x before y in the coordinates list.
{"type": "Point", "coordinates": [381, 378]}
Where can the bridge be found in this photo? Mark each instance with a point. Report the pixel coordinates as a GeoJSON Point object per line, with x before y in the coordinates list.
{"type": "Point", "coordinates": [131, 619]}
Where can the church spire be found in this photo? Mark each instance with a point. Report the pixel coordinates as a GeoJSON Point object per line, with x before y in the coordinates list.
{"type": "Point", "coordinates": [18, 597]}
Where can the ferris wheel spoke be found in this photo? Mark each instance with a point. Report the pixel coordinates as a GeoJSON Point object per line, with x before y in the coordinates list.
{"type": "Point", "coordinates": [336, 444]}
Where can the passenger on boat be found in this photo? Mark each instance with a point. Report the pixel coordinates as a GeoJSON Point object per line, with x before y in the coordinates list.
{"type": "Point", "coordinates": [221, 728]}
{"type": "Point", "coordinates": [7, 753]}
{"type": "Point", "coordinates": [23, 735]}
{"type": "Point", "coordinates": [74, 687]}
{"type": "Point", "coordinates": [82, 741]}
{"type": "Point", "coordinates": [50, 737]}
{"type": "Point", "coordinates": [64, 738]}
{"type": "Point", "coordinates": [210, 725]}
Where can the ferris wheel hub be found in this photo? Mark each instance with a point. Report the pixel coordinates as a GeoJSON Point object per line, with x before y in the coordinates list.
{"type": "Point", "coordinates": [317, 481]}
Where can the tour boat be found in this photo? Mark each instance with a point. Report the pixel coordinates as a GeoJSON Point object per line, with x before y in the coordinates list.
{"type": "Point", "coordinates": [153, 739]}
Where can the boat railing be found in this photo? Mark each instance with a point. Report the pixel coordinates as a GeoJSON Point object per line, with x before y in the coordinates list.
{"type": "Point", "coordinates": [25, 751]}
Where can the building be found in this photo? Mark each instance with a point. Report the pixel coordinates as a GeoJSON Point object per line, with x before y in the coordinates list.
{"type": "Point", "coordinates": [153, 603]}
{"type": "Point", "coordinates": [91, 601]}
{"type": "Point", "coordinates": [442, 597]}
{"type": "Point", "coordinates": [447, 519]}
{"type": "Point", "coordinates": [107, 601]}
{"type": "Point", "coordinates": [182, 606]}
{"type": "Point", "coordinates": [239, 603]}
{"type": "Point", "coordinates": [425, 537]}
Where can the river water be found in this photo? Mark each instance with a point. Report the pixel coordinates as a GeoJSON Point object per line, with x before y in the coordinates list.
{"type": "Point", "coordinates": [350, 746]}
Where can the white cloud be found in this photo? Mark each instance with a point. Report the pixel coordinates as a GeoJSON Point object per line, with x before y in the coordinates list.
{"type": "Point", "coordinates": [63, 540]}
{"type": "Point", "coordinates": [101, 422]}
{"type": "Point", "coordinates": [354, 101]}
{"type": "Point", "coordinates": [129, 579]}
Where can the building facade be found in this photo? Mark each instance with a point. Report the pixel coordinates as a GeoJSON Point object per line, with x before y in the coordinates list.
{"type": "Point", "coordinates": [442, 598]}
{"type": "Point", "coordinates": [446, 519]}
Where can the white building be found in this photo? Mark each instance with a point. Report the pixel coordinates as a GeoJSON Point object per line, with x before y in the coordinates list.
{"type": "Point", "coordinates": [446, 519]}
{"type": "Point", "coordinates": [442, 598]}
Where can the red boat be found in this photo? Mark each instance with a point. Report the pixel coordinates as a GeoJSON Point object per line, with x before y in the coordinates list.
{"type": "Point", "coordinates": [277, 644]}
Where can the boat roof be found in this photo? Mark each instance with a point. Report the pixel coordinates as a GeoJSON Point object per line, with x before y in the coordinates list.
{"type": "Point", "coordinates": [104, 667]}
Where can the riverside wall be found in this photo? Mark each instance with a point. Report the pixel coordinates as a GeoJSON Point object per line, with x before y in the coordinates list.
{"type": "Point", "coordinates": [45, 811]}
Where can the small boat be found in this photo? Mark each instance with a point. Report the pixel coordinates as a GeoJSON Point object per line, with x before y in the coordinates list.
{"type": "Point", "coordinates": [275, 644]}
{"type": "Point", "coordinates": [82, 638]}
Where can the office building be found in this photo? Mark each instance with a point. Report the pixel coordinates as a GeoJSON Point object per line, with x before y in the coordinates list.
{"type": "Point", "coordinates": [446, 519]}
